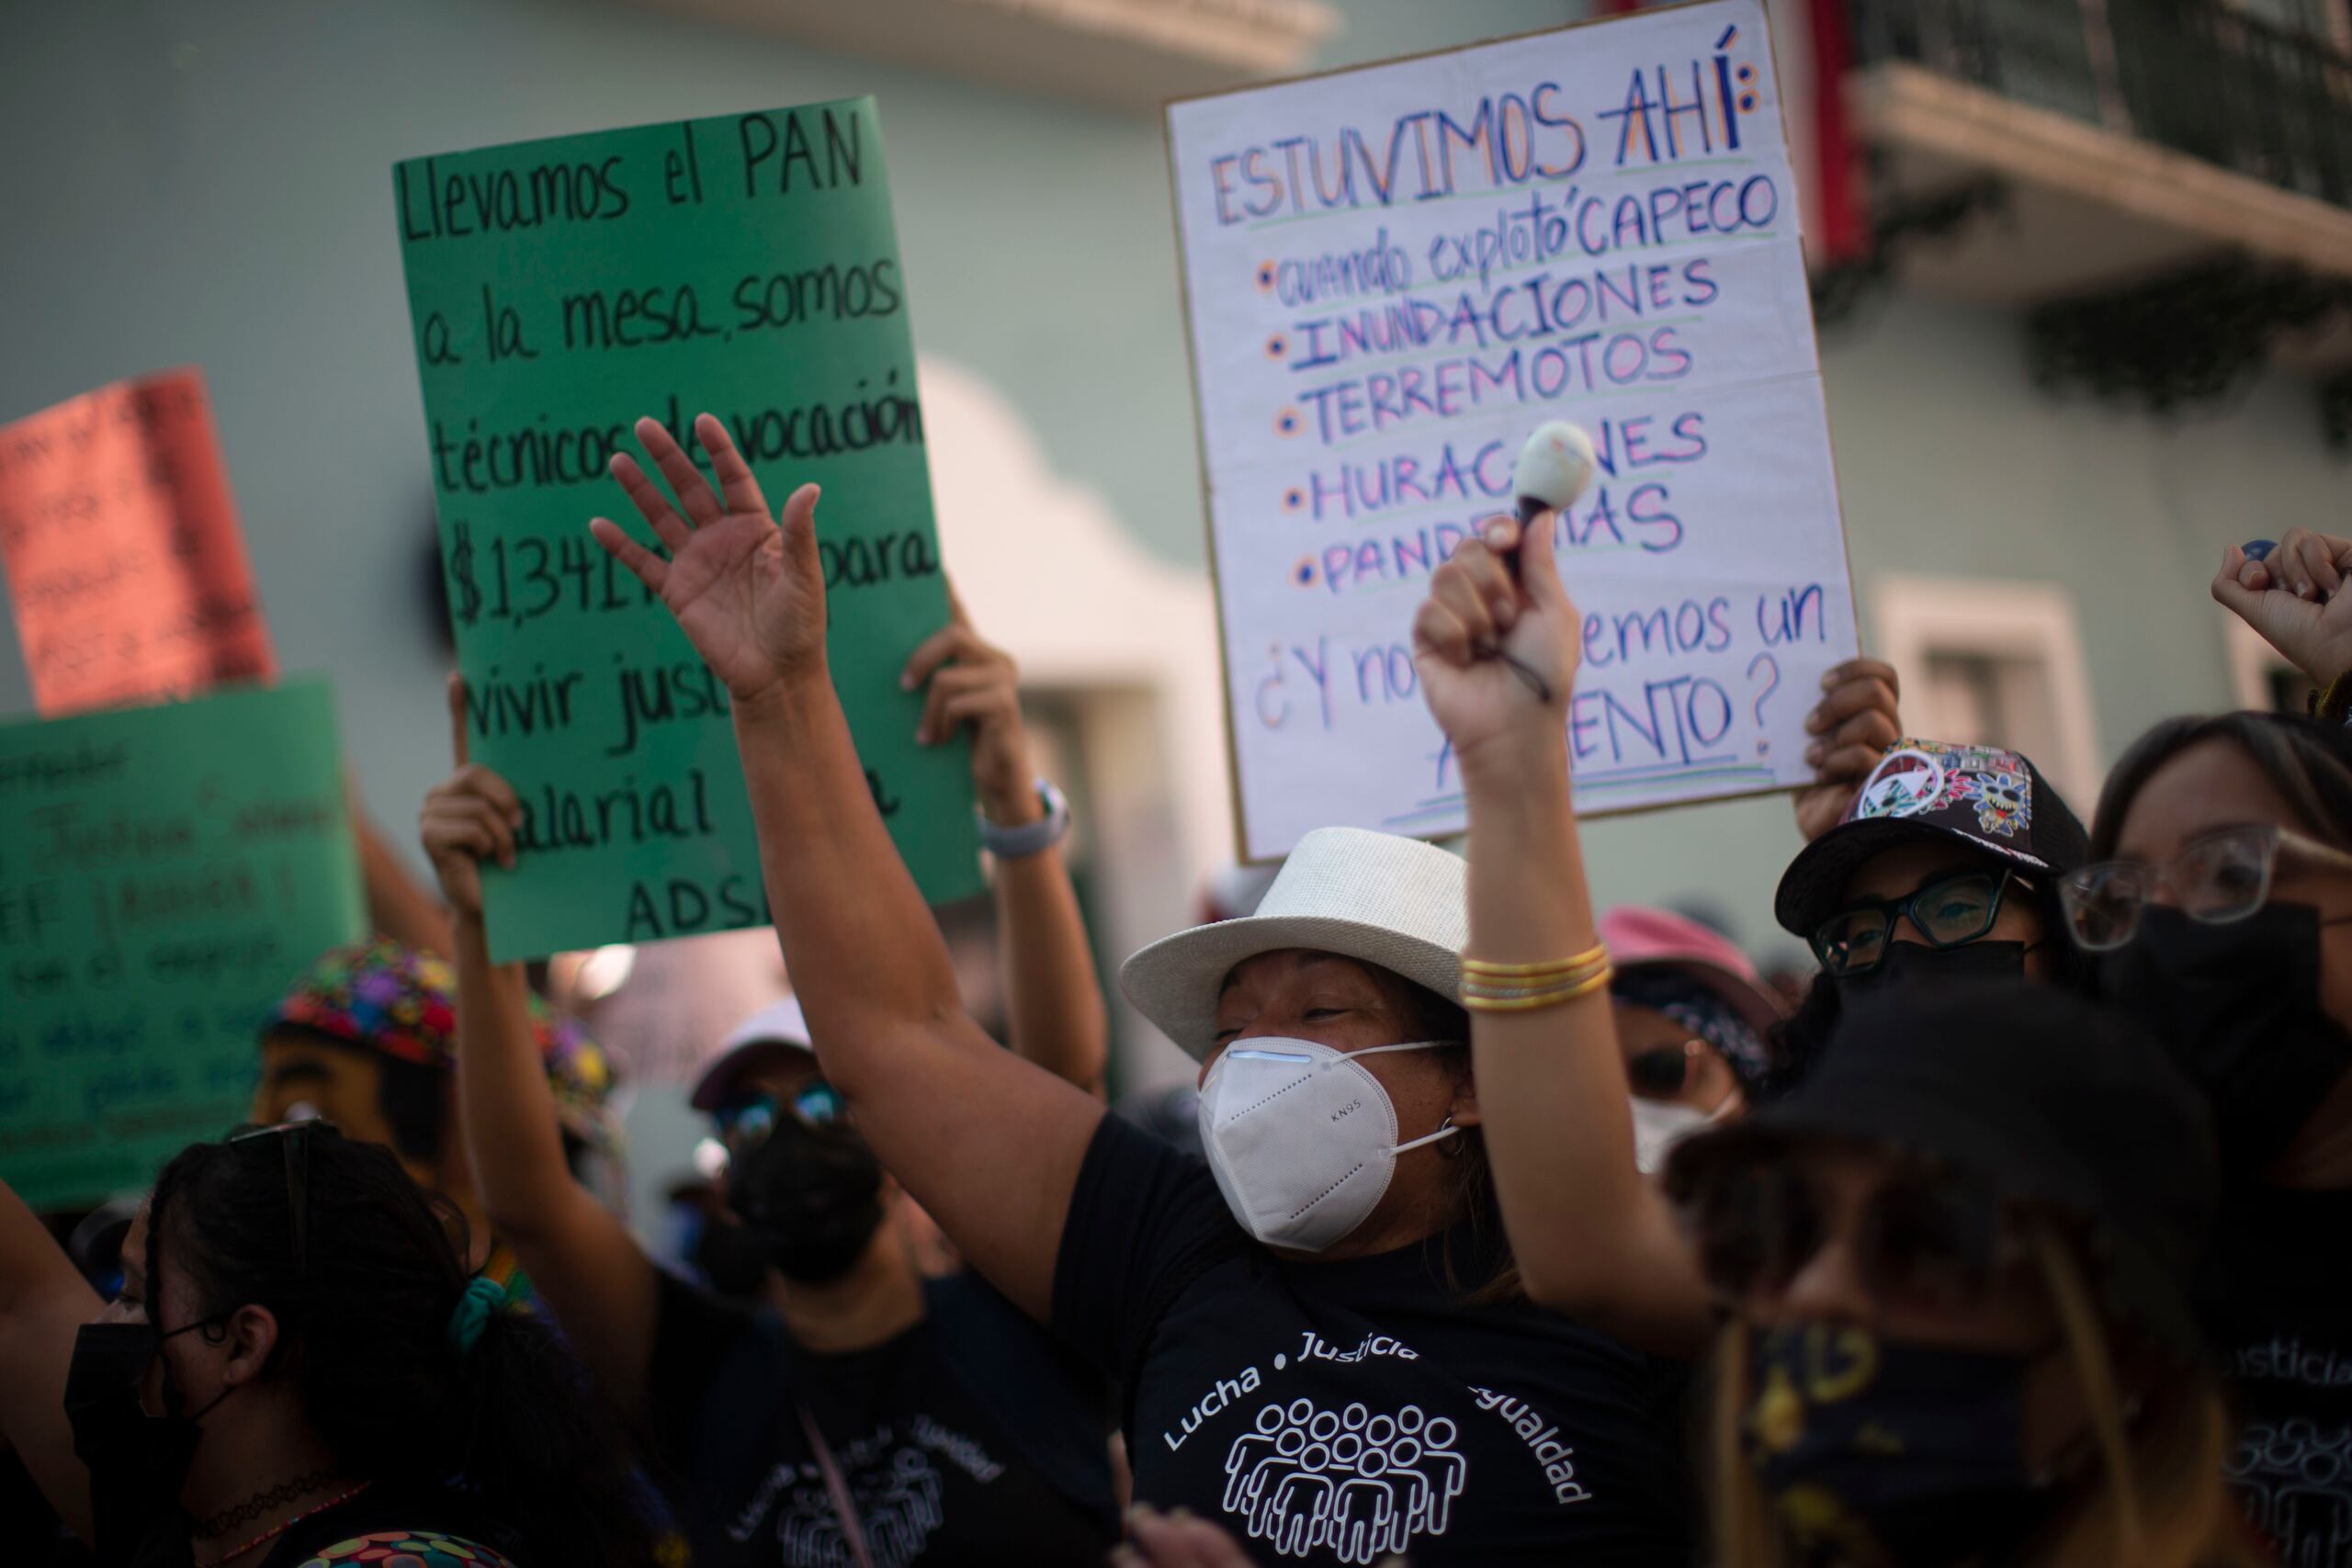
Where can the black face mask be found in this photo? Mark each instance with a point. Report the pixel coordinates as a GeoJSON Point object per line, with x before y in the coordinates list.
{"type": "Point", "coordinates": [138, 1462]}
{"type": "Point", "coordinates": [2238, 1006]}
{"type": "Point", "coordinates": [1911, 962]}
{"type": "Point", "coordinates": [1875, 1450]}
{"type": "Point", "coordinates": [733, 1258]}
{"type": "Point", "coordinates": [812, 1194]}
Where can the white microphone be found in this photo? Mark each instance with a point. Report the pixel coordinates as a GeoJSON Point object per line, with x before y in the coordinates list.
{"type": "Point", "coordinates": [1555, 467]}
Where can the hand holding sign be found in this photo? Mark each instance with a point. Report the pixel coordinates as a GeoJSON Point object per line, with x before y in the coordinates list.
{"type": "Point", "coordinates": [748, 595]}
{"type": "Point", "coordinates": [468, 817]}
{"type": "Point", "coordinates": [973, 682]}
{"type": "Point", "coordinates": [2293, 597]}
{"type": "Point", "coordinates": [1478, 610]}
{"type": "Point", "coordinates": [1856, 721]}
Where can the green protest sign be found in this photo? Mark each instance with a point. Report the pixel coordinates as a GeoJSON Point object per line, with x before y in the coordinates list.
{"type": "Point", "coordinates": [166, 873]}
{"type": "Point", "coordinates": [746, 265]}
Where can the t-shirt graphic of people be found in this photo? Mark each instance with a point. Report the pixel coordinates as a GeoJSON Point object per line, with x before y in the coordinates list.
{"type": "Point", "coordinates": [895, 1489]}
{"type": "Point", "coordinates": [935, 1476]}
{"type": "Point", "coordinates": [1362, 1484]}
{"type": "Point", "coordinates": [2284, 1327]}
{"type": "Point", "coordinates": [1340, 1412]}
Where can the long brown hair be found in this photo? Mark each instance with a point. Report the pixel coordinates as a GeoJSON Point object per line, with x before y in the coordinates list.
{"type": "Point", "coordinates": [2153, 1497]}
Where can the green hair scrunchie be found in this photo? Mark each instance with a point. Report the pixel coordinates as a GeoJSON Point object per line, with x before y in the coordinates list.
{"type": "Point", "coordinates": [471, 1314]}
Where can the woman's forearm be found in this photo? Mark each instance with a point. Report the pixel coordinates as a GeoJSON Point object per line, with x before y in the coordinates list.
{"type": "Point", "coordinates": [43, 1302]}
{"type": "Point", "coordinates": [866, 960]}
{"type": "Point", "coordinates": [514, 1138]}
{"type": "Point", "coordinates": [1592, 1235]}
{"type": "Point", "coordinates": [1053, 995]}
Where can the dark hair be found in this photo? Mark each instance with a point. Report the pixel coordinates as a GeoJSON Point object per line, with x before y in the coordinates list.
{"type": "Point", "coordinates": [1474, 1213]}
{"type": "Point", "coordinates": [2308, 760]}
{"type": "Point", "coordinates": [515, 1425]}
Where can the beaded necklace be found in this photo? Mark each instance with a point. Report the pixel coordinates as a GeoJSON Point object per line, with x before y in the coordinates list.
{"type": "Point", "coordinates": [278, 1530]}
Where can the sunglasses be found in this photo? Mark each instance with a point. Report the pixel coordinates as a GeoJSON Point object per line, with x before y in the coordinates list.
{"type": "Point", "coordinates": [1950, 911]}
{"type": "Point", "coordinates": [749, 1118]}
{"type": "Point", "coordinates": [2216, 878]}
{"type": "Point", "coordinates": [1923, 1240]}
{"type": "Point", "coordinates": [295, 1138]}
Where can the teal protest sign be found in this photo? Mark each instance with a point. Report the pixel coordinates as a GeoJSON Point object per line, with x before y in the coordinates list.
{"type": "Point", "coordinates": [746, 265]}
{"type": "Point", "coordinates": [164, 873]}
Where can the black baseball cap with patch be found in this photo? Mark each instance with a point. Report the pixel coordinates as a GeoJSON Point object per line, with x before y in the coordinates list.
{"type": "Point", "coordinates": [1933, 792]}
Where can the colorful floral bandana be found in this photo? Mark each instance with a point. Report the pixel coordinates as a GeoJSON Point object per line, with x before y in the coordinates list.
{"type": "Point", "coordinates": [385, 997]}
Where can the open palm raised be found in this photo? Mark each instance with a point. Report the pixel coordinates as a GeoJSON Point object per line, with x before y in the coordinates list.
{"type": "Point", "coordinates": [747, 589]}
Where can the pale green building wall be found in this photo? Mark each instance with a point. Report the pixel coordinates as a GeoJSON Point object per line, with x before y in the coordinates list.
{"type": "Point", "coordinates": [210, 183]}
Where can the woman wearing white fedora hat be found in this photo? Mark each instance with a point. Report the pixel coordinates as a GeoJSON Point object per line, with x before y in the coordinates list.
{"type": "Point", "coordinates": [1318, 1335]}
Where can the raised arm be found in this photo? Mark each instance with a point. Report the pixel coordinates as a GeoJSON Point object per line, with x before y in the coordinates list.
{"type": "Point", "coordinates": [2294, 597]}
{"type": "Point", "coordinates": [44, 1300]}
{"type": "Point", "coordinates": [583, 1261]}
{"type": "Point", "coordinates": [985, 1141]}
{"type": "Point", "coordinates": [1594, 1237]}
{"type": "Point", "coordinates": [1054, 997]}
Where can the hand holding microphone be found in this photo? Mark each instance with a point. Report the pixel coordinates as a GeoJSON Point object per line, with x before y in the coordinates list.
{"type": "Point", "coordinates": [1555, 468]}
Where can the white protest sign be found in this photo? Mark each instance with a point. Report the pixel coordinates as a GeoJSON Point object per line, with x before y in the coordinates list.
{"type": "Point", "coordinates": [1395, 273]}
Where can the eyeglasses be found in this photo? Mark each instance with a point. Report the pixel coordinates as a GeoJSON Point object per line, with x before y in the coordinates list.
{"type": "Point", "coordinates": [1950, 911]}
{"type": "Point", "coordinates": [748, 1119]}
{"type": "Point", "coordinates": [2216, 878]}
{"type": "Point", "coordinates": [296, 1141]}
{"type": "Point", "coordinates": [1662, 1072]}
{"type": "Point", "coordinates": [1920, 1240]}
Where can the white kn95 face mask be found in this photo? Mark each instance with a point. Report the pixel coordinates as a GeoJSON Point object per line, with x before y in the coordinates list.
{"type": "Point", "coordinates": [1300, 1138]}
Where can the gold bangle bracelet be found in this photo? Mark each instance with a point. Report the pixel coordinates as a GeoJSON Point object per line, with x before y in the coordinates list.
{"type": "Point", "coordinates": [1528, 988]}
{"type": "Point", "coordinates": [1473, 1001]}
{"type": "Point", "coordinates": [1595, 955]}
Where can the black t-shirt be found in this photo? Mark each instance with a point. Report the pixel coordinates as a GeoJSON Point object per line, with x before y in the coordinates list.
{"type": "Point", "coordinates": [2283, 1323]}
{"type": "Point", "coordinates": [936, 1476]}
{"type": "Point", "coordinates": [1340, 1412]}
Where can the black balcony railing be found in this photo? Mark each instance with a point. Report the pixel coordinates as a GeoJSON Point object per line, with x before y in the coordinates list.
{"type": "Point", "coordinates": [2194, 75]}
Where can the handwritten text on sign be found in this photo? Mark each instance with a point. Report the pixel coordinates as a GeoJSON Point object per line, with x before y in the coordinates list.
{"type": "Point", "coordinates": [747, 265]}
{"type": "Point", "coordinates": [165, 872]}
{"type": "Point", "coordinates": [124, 558]}
{"type": "Point", "coordinates": [1395, 275]}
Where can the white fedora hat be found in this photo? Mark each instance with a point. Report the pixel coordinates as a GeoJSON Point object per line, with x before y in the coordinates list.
{"type": "Point", "coordinates": [1397, 903]}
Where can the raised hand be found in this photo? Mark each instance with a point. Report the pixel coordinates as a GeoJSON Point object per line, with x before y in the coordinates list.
{"type": "Point", "coordinates": [1854, 724]}
{"type": "Point", "coordinates": [2294, 598]}
{"type": "Point", "coordinates": [1475, 616]}
{"type": "Point", "coordinates": [468, 817]}
{"type": "Point", "coordinates": [976, 683]}
{"type": "Point", "coordinates": [749, 594]}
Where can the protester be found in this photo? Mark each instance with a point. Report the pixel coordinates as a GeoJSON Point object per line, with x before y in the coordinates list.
{"type": "Point", "coordinates": [2220, 912]}
{"type": "Point", "coordinates": [1945, 865]}
{"type": "Point", "coordinates": [366, 1039]}
{"type": "Point", "coordinates": [1694, 1024]}
{"type": "Point", "coordinates": [300, 1369]}
{"type": "Point", "coordinates": [2217, 912]}
{"type": "Point", "coordinates": [1331, 1359]}
{"type": "Point", "coordinates": [1957, 1262]}
{"type": "Point", "coordinates": [860, 1411]}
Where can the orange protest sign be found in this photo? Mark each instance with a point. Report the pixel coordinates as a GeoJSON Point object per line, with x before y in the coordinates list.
{"type": "Point", "coordinates": [122, 548]}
